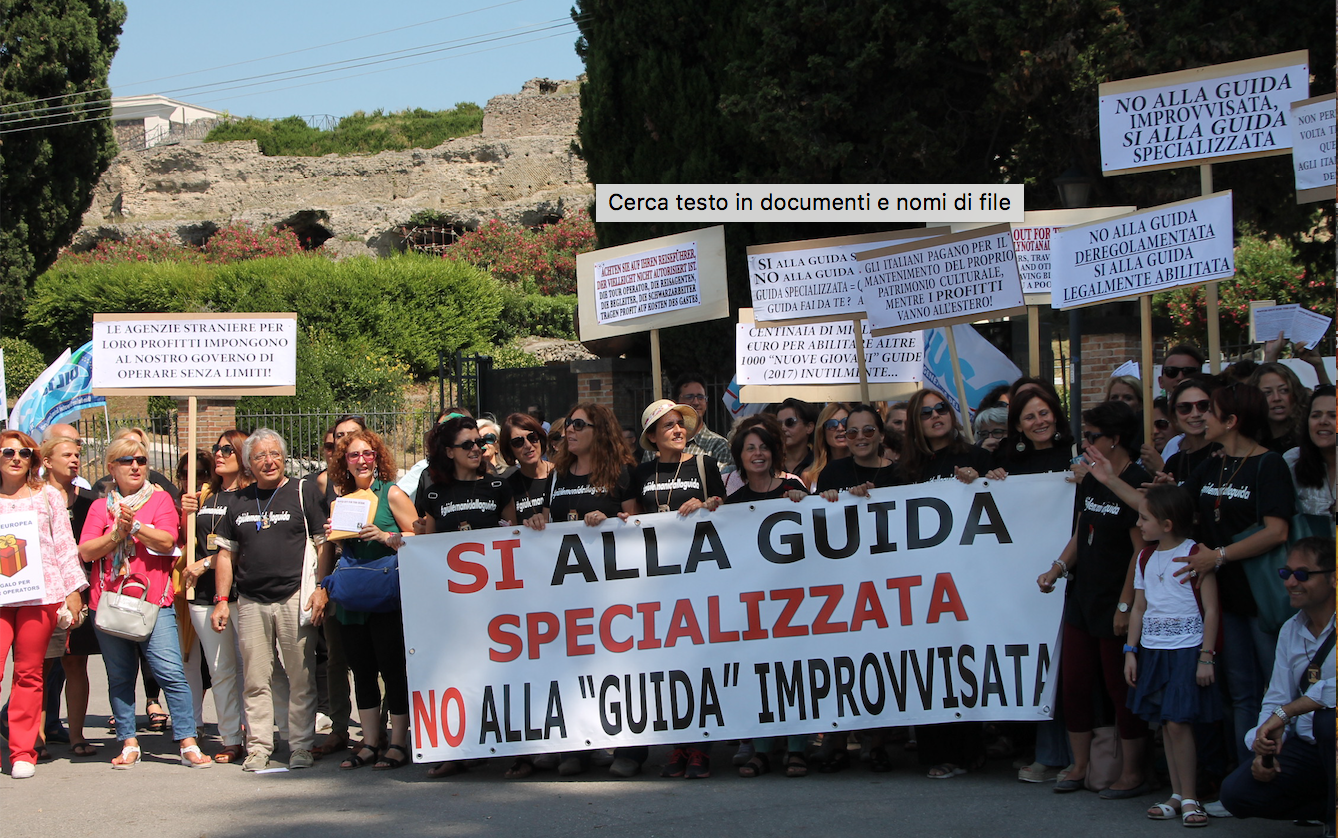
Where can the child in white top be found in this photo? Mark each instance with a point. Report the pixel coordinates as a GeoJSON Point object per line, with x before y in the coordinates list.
{"type": "Point", "coordinates": [1175, 623]}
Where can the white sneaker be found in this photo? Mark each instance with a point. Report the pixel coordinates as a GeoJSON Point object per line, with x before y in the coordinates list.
{"type": "Point", "coordinates": [22, 770]}
{"type": "Point", "coordinates": [1216, 810]}
{"type": "Point", "coordinates": [324, 724]}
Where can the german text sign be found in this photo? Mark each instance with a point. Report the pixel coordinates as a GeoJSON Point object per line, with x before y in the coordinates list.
{"type": "Point", "coordinates": [1223, 112]}
{"type": "Point", "coordinates": [821, 353]}
{"type": "Point", "coordinates": [1313, 153]}
{"type": "Point", "coordinates": [951, 279]}
{"type": "Point", "coordinates": [917, 605]}
{"type": "Point", "coordinates": [652, 282]}
{"type": "Point", "coordinates": [1156, 249]}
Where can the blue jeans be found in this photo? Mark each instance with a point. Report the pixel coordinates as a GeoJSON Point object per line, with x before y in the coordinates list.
{"type": "Point", "coordinates": [1240, 671]}
{"type": "Point", "coordinates": [162, 652]}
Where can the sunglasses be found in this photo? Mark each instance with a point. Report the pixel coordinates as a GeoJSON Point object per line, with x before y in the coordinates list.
{"type": "Point", "coordinates": [1302, 574]}
{"type": "Point", "coordinates": [997, 433]}
{"type": "Point", "coordinates": [790, 421]}
{"type": "Point", "coordinates": [833, 424]}
{"type": "Point", "coordinates": [1161, 424]}
{"type": "Point", "coordinates": [941, 409]}
{"type": "Point", "coordinates": [856, 433]}
{"type": "Point", "coordinates": [469, 445]}
{"type": "Point", "coordinates": [488, 439]}
{"type": "Point", "coordinates": [577, 424]}
{"type": "Point", "coordinates": [1092, 436]}
{"type": "Point", "coordinates": [23, 453]}
{"type": "Point", "coordinates": [518, 442]}
{"type": "Point", "coordinates": [1176, 372]}
{"type": "Point", "coordinates": [361, 455]}
{"type": "Point", "coordinates": [228, 450]}
{"type": "Point", "coordinates": [125, 461]}
{"type": "Point", "coordinates": [1186, 408]}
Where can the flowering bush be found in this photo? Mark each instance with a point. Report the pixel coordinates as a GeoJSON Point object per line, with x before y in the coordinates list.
{"type": "Point", "coordinates": [512, 253]}
{"type": "Point", "coordinates": [1266, 269]}
{"type": "Point", "coordinates": [230, 244]}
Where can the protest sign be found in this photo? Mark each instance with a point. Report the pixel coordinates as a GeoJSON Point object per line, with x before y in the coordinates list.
{"type": "Point", "coordinates": [1299, 325]}
{"type": "Point", "coordinates": [1152, 250]}
{"type": "Point", "coordinates": [1313, 150]}
{"type": "Point", "coordinates": [21, 578]}
{"type": "Point", "coordinates": [916, 605]}
{"type": "Point", "coordinates": [818, 280]}
{"type": "Point", "coordinates": [219, 354]}
{"type": "Point", "coordinates": [1210, 114]}
{"type": "Point", "coordinates": [957, 278]}
{"type": "Point", "coordinates": [820, 353]}
{"type": "Point", "coordinates": [649, 282]}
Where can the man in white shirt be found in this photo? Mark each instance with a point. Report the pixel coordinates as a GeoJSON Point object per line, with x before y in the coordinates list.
{"type": "Point", "coordinates": [1292, 774]}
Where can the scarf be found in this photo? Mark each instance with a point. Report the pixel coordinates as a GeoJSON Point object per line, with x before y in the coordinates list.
{"type": "Point", "coordinates": [120, 558]}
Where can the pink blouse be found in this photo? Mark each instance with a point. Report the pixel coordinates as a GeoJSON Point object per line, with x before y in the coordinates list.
{"type": "Point", "coordinates": [61, 572]}
{"type": "Point", "coordinates": [159, 512]}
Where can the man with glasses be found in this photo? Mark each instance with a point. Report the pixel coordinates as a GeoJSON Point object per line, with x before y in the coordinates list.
{"type": "Point", "coordinates": [262, 545]}
{"type": "Point", "coordinates": [690, 389]}
{"type": "Point", "coordinates": [1182, 360]}
{"type": "Point", "coordinates": [1292, 774]}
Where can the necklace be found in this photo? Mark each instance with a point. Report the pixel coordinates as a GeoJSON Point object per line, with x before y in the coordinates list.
{"type": "Point", "coordinates": [1217, 504]}
{"type": "Point", "coordinates": [655, 493]}
{"type": "Point", "coordinates": [264, 523]}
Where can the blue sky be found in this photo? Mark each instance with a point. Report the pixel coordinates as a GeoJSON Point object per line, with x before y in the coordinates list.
{"type": "Point", "coordinates": [225, 56]}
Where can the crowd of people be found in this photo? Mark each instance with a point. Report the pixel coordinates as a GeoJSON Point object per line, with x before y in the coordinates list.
{"type": "Point", "coordinates": [1199, 594]}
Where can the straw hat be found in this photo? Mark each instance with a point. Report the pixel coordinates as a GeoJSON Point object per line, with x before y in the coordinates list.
{"type": "Point", "coordinates": [652, 414]}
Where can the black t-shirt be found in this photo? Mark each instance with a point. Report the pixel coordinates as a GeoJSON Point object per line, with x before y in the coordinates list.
{"type": "Point", "coordinates": [1034, 461]}
{"type": "Point", "coordinates": [83, 501]}
{"type": "Point", "coordinates": [466, 504]}
{"type": "Point", "coordinates": [528, 494]}
{"type": "Point", "coordinates": [207, 521]}
{"type": "Point", "coordinates": [843, 473]}
{"type": "Point", "coordinates": [267, 561]}
{"type": "Point", "coordinates": [671, 485]}
{"type": "Point", "coordinates": [944, 464]}
{"type": "Point", "coordinates": [1183, 463]}
{"type": "Point", "coordinates": [1248, 491]}
{"type": "Point", "coordinates": [1282, 444]}
{"type": "Point", "coordinates": [743, 494]}
{"type": "Point", "coordinates": [1103, 522]}
{"type": "Point", "coordinates": [571, 497]}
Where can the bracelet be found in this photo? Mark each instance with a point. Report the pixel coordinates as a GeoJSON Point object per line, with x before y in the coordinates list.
{"type": "Point", "coordinates": [1282, 714]}
{"type": "Point", "coordinates": [117, 537]}
{"type": "Point", "coordinates": [1128, 648]}
{"type": "Point", "coordinates": [220, 598]}
{"type": "Point", "coordinates": [1063, 568]}
{"type": "Point", "coordinates": [1221, 558]}
{"type": "Point", "coordinates": [1209, 663]}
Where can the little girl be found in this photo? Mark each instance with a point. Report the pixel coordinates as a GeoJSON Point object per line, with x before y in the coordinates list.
{"type": "Point", "coordinates": [1172, 676]}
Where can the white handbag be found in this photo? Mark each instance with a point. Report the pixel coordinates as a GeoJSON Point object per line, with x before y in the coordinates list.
{"type": "Point", "coordinates": [125, 616]}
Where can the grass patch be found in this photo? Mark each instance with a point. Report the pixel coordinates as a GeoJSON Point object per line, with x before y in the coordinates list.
{"type": "Point", "coordinates": [359, 133]}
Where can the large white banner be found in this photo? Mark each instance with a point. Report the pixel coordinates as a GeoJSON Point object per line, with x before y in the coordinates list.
{"type": "Point", "coordinates": [1156, 249]}
{"type": "Point", "coordinates": [183, 353]}
{"type": "Point", "coordinates": [916, 605]}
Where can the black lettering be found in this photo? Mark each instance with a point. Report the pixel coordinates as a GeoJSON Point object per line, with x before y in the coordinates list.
{"type": "Point", "coordinates": [914, 541]}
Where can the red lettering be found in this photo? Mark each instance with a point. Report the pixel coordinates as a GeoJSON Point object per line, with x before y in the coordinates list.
{"type": "Point", "coordinates": [505, 638]}
{"type": "Point", "coordinates": [474, 569]}
{"type": "Point", "coordinates": [508, 550]}
{"type": "Point", "coordinates": [683, 623]}
{"type": "Point", "coordinates": [793, 597]}
{"type": "Point", "coordinates": [452, 695]}
{"type": "Point", "coordinates": [425, 717]}
{"type": "Point", "coordinates": [538, 638]}
{"type": "Point", "coordinates": [945, 598]}
{"type": "Point", "coordinates": [833, 593]}
{"type": "Point", "coordinates": [606, 628]}
{"type": "Point", "coordinates": [648, 638]}
{"type": "Point", "coordinates": [903, 585]}
{"type": "Point", "coordinates": [867, 607]}
{"type": "Point", "coordinates": [713, 623]}
{"type": "Point", "coordinates": [576, 630]}
{"type": "Point", "coordinates": [754, 630]}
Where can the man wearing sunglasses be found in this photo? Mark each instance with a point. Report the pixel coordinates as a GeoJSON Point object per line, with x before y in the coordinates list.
{"type": "Point", "coordinates": [1292, 774]}
{"type": "Point", "coordinates": [1182, 361]}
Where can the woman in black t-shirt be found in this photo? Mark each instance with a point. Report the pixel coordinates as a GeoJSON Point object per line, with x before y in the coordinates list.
{"type": "Point", "coordinates": [1190, 404]}
{"type": "Point", "coordinates": [466, 494]}
{"type": "Point", "coordinates": [675, 480]}
{"type": "Point", "coordinates": [524, 444]}
{"type": "Point", "coordinates": [591, 479]}
{"type": "Point", "coordinates": [866, 467]}
{"type": "Point", "coordinates": [1100, 556]}
{"type": "Point", "coordinates": [935, 446]}
{"type": "Point", "coordinates": [1038, 438]}
{"type": "Point", "coordinates": [1286, 398]}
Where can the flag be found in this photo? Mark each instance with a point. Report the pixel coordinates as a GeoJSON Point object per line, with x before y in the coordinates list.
{"type": "Point", "coordinates": [984, 367]}
{"type": "Point", "coordinates": [59, 393]}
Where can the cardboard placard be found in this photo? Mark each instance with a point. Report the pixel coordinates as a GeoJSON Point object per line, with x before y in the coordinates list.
{"type": "Point", "coordinates": [21, 575]}
{"type": "Point", "coordinates": [366, 496]}
{"type": "Point", "coordinates": [1145, 252]}
{"type": "Point", "coordinates": [663, 295]}
{"type": "Point", "coordinates": [959, 278]}
{"type": "Point", "coordinates": [818, 280]}
{"type": "Point", "coordinates": [1314, 138]}
{"type": "Point", "coordinates": [821, 353]}
{"type": "Point", "coordinates": [244, 354]}
{"type": "Point", "coordinates": [1223, 112]}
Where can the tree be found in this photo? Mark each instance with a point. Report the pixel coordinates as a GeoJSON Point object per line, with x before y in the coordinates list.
{"type": "Point", "coordinates": [54, 60]}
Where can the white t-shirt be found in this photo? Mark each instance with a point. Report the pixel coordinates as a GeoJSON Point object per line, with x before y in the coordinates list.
{"type": "Point", "coordinates": [1172, 619]}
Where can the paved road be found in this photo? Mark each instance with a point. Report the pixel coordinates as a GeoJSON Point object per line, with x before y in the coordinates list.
{"type": "Point", "coordinates": [164, 800]}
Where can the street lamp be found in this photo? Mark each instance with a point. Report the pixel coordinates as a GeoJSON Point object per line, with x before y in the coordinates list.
{"type": "Point", "coordinates": [1075, 190]}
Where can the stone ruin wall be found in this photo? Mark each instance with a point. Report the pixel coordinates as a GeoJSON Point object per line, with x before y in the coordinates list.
{"type": "Point", "coordinates": [521, 169]}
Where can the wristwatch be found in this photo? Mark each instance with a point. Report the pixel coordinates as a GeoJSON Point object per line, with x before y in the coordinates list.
{"type": "Point", "coordinates": [1123, 608]}
{"type": "Point", "coordinates": [1282, 714]}
{"type": "Point", "coordinates": [207, 564]}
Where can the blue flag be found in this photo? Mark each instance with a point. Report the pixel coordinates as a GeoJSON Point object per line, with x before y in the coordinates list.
{"type": "Point", "coordinates": [59, 393]}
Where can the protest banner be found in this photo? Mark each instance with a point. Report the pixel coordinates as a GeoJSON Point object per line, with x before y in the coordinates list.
{"type": "Point", "coordinates": [651, 285]}
{"type": "Point", "coordinates": [916, 605]}
{"type": "Point", "coordinates": [60, 393]}
{"type": "Point", "coordinates": [821, 353]}
{"type": "Point", "coordinates": [1223, 112]}
{"type": "Point", "coordinates": [1314, 141]}
{"type": "Point", "coordinates": [21, 578]}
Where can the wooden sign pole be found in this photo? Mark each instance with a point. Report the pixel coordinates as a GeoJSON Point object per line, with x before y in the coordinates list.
{"type": "Point", "coordinates": [1145, 325]}
{"type": "Point", "coordinates": [858, 323]}
{"type": "Point", "coordinates": [1210, 292]}
{"type": "Point", "coordinates": [1034, 341]}
{"type": "Point", "coordinates": [656, 378]}
{"type": "Point", "coordinates": [188, 553]}
{"type": "Point", "coordinates": [960, 385]}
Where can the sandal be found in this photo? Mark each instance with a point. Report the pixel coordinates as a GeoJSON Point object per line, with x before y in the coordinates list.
{"type": "Point", "coordinates": [838, 761]}
{"type": "Point", "coordinates": [357, 760]}
{"type": "Point", "coordinates": [519, 770]}
{"type": "Point", "coordinates": [193, 757]}
{"type": "Point", "coordinates": [1200, 817]}
{"type": "Point", "coordinates": [84, 749]}
{"type": "Point", "coordinates": [1168, 811]}
{"type": "Point", "coordinates": [333, 744]}
{"type": "Point", "coordinates": [157, 721]}
{"type": "Point", "coordinates": [126, 761]}
{"type": "Point", "coordinates": [795, 764]}
{"type": "Point", "coordinates": [447, 769]}
{"type": "Point", "coordinates": [945, 771]}
{"type": "Point", "coordinates": [756, 766]}
{"type": "Point", "coordinates": [43, 753]}
{"type": "Point", "coordinates": [879, 761]}
{"type": "Point", "coordinates": [230, 754]}
{"type": "Point", "coordinates": [388, 763]}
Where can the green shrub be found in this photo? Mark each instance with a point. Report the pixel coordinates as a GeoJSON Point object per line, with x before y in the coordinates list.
{"type": "Point", "coordinates": [23, 363]}
{"type": "Point", "coordinates": [509, 356]}
{"type": "Point", "coordinates": [527, 312]}
{"type": "Point", "coordinates": [359, 133]}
